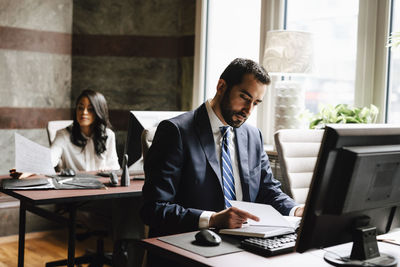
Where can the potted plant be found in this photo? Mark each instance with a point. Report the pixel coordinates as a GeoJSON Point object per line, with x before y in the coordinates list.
{"type": "Point", "coordinates": [343, 113]}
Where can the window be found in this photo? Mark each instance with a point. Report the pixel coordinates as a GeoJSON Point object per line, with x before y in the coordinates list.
{"type": "Point", "coordinates": [232, 31]}
{"type": "Point", "coordinates": [393, 113]}
{"type": "Point", "coordinates": [333, 24]}
{"type": "Point", "coordinates": [351, 59]}
{"type": "Point", "coordinates": [236, 35]}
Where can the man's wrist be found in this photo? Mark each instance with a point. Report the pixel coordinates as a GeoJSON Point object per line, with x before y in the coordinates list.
{"type": "Point", "coordinates": [293, 210]}
{"type": "Point", "coordinates": [299, 211]}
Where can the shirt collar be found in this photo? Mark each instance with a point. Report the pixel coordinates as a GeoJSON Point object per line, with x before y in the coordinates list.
{"type": "Point", "coordinates": [214, 120]}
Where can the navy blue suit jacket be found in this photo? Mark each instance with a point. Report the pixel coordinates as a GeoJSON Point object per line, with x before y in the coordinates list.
{"type": "Point", "coordinates": [183, 176]}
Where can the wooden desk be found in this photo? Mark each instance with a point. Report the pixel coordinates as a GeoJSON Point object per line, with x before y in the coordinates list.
{"type": "Point", "coordinates": [244, 258]}
{"type": "Point", "coordinates": [31, 199]}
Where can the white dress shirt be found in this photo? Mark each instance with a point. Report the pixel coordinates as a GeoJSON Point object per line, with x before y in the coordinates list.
{"type": "Point", "coordinates": [215, 124]}
{"type": "Point", "coordinates": [215, 127]}
{"type": "Point", "coordinates": [67, 155]}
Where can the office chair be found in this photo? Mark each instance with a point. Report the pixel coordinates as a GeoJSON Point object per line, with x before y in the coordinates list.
{"type": "Point", "coordinates": [297, 152]}
{"type": "Point", "coordinates": [54, 126]}
{"type": "Point", "coordinates": [147, 139]}
{"type": "Point", "coordinates": [94, 258]}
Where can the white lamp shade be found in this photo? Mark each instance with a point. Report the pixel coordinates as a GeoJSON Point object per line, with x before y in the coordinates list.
{"type": "Point", "coordinates": [288, 52]}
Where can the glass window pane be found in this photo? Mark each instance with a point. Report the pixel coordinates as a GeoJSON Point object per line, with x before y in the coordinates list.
{"type": "Point", "coordinates": [393, 115]}
{"type": "Point", "coordinates": [233, 30]}
{"type": "Point", "coordinates": [334, 27]}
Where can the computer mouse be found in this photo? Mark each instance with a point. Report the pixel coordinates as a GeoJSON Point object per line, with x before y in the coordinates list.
{"type": "Point", "coordinates": [67, 172]}
{"type": "Point", "coordinates": [113, 179]}
{"type": "Point", "coordinates": [208, 238]}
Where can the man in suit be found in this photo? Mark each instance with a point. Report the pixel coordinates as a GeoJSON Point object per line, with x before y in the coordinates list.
{"type": "Point", "coordinates": [185, 188]}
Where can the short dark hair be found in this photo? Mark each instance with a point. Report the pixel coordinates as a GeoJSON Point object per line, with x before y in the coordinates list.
{"type": "Point", "coordinates": [234, 72]}
{"type": "Point", "coordinates": [100, 124]}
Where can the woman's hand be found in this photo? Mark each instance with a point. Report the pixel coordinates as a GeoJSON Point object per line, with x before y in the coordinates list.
{"type": "Point", "coordinates": [18, 175]}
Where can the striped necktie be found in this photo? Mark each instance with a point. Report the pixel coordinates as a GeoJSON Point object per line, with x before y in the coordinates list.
{"type": "Point", "coordinates": [226, 167]}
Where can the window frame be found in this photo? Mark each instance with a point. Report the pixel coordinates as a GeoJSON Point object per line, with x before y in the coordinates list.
{"type": "Point", "coordinates": [371, 72]}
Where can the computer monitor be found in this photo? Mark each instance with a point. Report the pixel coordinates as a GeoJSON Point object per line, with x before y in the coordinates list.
{"type": "Point", "coordinates": [138, 121]}
{"type": "Point", "coordinates": [356, 184]}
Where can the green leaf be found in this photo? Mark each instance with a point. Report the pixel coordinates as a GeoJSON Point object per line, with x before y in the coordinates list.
{"type": "Point", "coordinates": [344, 110]}
{"type": "Point", "coordinates": [343, 113]}
{"type": "Point", "coordinates": [352, 120]}
{"type": "Point", "coordinates": [314, 123]}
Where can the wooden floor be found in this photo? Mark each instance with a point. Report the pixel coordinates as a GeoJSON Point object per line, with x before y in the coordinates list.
{"type": "Point", "coordinates": [42, 247]}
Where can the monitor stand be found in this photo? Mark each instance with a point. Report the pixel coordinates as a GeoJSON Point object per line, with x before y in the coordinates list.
{"type": "Point", "coordinates": [365, 251]}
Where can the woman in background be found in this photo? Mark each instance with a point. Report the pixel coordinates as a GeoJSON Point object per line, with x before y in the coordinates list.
{"type": "Point", "coordinates": [89, 143]}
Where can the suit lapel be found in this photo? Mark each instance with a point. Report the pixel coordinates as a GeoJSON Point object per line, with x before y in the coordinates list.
{"type": "Point", "coordinates": [243, 159]}
{"type": "Point", "coordinates": [203, 128]}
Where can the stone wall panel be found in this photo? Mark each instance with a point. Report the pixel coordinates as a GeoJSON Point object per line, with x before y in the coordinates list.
{"type": "Point", "coordinates": [129, 83]}
{"type": "Point", "coordinates": [136, 17]}
{"type": "Point", "coordinates": [46, 15]}
{"type": "Point", "coordinates": [31, 79]}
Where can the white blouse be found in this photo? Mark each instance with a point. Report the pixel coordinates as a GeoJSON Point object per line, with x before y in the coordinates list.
{"type": "Point", "coordinates": [67, 155]}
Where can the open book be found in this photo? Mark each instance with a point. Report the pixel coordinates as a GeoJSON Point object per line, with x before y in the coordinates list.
{"type": "Point", "coordinates": [271, 223]}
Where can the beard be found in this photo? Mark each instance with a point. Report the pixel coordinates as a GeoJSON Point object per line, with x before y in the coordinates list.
{"type": "Point", "coordinates": [228, 113]}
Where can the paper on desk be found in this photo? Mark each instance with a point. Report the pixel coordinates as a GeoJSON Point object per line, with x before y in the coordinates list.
{"type": "Point", "coordinates": [32, 157]}
{"type": "Point", "coordinates": [267, 214]}
{"type": "Point", "coordinates": [392, 237]}
{"type": "Point", "coordinates": [294, 221]}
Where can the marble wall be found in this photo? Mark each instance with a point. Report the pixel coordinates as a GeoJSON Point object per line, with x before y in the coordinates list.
{"type": "Point", "coordinates": [139, 54]}
{"type": "Point", "coordinates": [35, 66]}
{"type": "Point", "coordinates": [45, 15]}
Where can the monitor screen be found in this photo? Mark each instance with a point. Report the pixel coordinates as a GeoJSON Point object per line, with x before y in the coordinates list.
{"type": "Point", "coordinates": [138, 121]}
{"type": "Point", "coordinates": [356, 183]}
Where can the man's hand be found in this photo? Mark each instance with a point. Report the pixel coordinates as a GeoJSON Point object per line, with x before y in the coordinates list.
{"type": "Point", "coordinates": [231, 218]}
{"type": "Point", "coordinates": [299, 212]}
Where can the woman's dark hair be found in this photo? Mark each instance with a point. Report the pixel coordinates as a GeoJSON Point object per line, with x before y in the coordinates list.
{"type": "Point", "coordinates": [100, 124]}
{"type": "Point", "coordinates": [234, 72]}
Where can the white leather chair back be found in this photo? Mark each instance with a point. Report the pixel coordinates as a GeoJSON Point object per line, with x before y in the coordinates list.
{"type": "Point", "coordinates": [147, 139]}
{"type": "Point", "coordinates": [54, 126]}
{"type": "Point", "coordinates": [297, 152]}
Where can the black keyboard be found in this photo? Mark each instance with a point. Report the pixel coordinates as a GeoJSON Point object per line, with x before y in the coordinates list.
{"type": "Point", "coordinates": [270, 246]}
